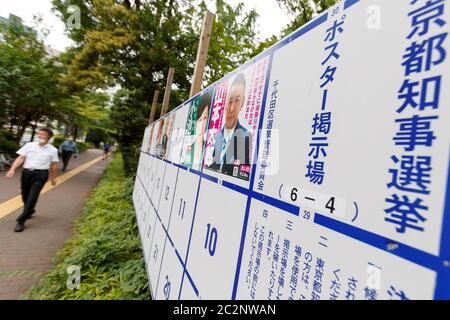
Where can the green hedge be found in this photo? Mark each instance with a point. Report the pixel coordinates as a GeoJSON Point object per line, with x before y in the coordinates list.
{"type": "Point", "coordinates": [106, 246]}
{"type": "Point", "coordinates": [7, 142]}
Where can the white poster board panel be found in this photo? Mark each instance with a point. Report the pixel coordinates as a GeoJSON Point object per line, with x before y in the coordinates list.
{"type": "Point", "coordinates": [357, 143]}
{"type": "Point", "coordinates": [141, 164]}
{"type": "Point", "coordinates": [159, 183]}
{"type": "Point", "coordinates": [148, 223]}
{"type": "Point", "coordinates": [183, 210]}
{"type": "Point", "coordinates": [137, 194]}
{"type": "Point", "coordinates": [170, 275]}
{"type": "Point", "coordinates": [155, 172]}
{"type": "Point", "coordinates": [167, 194]}
{"type": "Point", "coordinates": [145, 140]}
{"type": "Point", "coordinates": [147, 174]}
{"type": "Point", "coordinates": [188, 292]}
{"type": "Point", "coordinates": [143, 167]}
{"type": "Point", "coordinates": [361, 106]}
{"type": "Point", "coordinates": [176, 143]}
{"type": "Point", "coordinates": [291, 257]}
{"type": "Point", "coordinates": [216, 239]}
{"type": "Point", "coordinates": [156, 252]}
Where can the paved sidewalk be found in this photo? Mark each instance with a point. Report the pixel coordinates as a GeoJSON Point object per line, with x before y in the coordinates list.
{"type": "Point", "coordinates": [11, 188]}
{"type": "Point", "coordinates": [32, 250]}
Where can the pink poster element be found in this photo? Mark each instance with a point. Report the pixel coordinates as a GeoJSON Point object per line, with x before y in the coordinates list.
{"type": "Point", "coordinates": [254, 99]}
{"type": "Point", "coordinates": [215, 123]}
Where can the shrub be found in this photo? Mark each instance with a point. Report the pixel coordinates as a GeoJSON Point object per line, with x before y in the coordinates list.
{"type": "Point", "coordinates": [8, 142]}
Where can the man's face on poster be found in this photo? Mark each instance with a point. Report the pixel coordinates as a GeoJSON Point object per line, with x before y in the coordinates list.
{"type": "Point", "coordinates": [235, 101]}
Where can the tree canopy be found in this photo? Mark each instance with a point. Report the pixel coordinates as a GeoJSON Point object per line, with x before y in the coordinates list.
{"type": "Point", "coordinates": [28, 79]}
{"type": "Point", "coordinates": [126, 47]}
{"type": "Point", "coordinates": [33, 90]}
{"type": "Point", "coordinates": [131, 45]}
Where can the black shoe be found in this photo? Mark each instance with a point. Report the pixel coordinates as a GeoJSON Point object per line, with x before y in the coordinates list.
{"type": "Point", "coordinates": [20, 226]}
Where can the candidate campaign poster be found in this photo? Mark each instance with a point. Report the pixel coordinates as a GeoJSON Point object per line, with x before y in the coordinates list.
{"type": "Point", "coordinates": [196, 127]}
{"type": "Point", "coordinates": [234, 121]}
{"type": "Point", "coordinates": [166, 138]}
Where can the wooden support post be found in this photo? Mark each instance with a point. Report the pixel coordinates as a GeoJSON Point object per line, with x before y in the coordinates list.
{"type": "Point", "coordinates": [154, 104]}
{"type": "Point", "coordinates": [167, 92]}
{"type": "Point", "coordinates": [202, 53]}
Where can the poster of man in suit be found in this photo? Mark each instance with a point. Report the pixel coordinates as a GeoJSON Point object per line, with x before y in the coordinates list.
{"type": "Point", "coordinates": [234, 122]}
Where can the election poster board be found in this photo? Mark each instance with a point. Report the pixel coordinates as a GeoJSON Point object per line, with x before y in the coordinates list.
{"type": "Point", "coordinates": [196, 127]}
{"type": "Point", "coordinates": [317, 170]}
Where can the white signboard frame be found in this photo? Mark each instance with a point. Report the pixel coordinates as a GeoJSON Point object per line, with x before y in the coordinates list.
{"type": "Point", "coordinates": [336, 186]}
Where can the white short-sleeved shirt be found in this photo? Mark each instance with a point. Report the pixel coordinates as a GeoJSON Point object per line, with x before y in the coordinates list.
{"type": "Point", "coordinates": [38, 157]}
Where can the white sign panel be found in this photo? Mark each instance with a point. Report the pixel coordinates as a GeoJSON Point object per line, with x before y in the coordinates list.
{"type": "Point", "coordinates": [317, 170]}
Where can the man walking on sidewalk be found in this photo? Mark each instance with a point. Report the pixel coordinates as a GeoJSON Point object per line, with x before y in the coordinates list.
{"type": "Point", "coordinates": [67, 149]}
{"type": "Point", "coordinates": [37, 158]}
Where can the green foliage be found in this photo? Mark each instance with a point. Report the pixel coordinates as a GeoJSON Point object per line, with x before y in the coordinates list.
{"type": "Point", "coordinates": [303, 11]}
{"type": "Point", "coordinates": [83, 146]}
{"type": "Point", "coordinates": [129, 117]}
{"type": "Point", "coordinates": [8, 142]}
{"type": "Point", "coordinates": [106, 246]}
{"type": "Point", "coordinates": [97, 135]}
{"type": "Point", "coordinates": [87, 110]}
{"type": "Point", "coordinates": [57, 141]}
{"type": "Point", "coordinates": [233, 39]}
{"type": "Point", "coordinates": [132, 44]}
{"type": "Point", "coordinates": [29, 87]}
{"type": "Point", "coordinates": [300, 13]}
{"type": "Point", "coordinates": [34, 87]}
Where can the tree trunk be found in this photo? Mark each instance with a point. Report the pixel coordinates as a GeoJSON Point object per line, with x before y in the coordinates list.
{"type": "Point", "coordinates": [66, 131]}
{"type": "Point", "coordinates": [75, 132]}
{"type": "Point", "coordinates": [20, 131]}
{"type": "Point", "coordinates": [33, 132]}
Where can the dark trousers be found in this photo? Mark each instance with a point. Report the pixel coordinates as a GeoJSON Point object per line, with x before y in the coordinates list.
{"type": "Point", "coordinates": [66, 155]}
{"type": "Point", "coordinates": [32, 184]}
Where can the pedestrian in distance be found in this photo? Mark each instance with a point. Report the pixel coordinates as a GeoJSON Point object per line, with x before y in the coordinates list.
{"type": "Point", "coordinates": [67, 149]}
{"type": "Point", "coordinates": [106, 148]}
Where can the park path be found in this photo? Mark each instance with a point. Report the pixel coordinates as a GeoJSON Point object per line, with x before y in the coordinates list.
{"type": "Point", "coordinates": [25, 256]}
